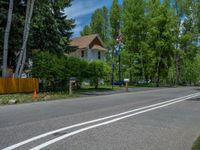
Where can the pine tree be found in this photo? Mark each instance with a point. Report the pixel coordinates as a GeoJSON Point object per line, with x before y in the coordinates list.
{"type": "Point", "coordinates": [53, 36]}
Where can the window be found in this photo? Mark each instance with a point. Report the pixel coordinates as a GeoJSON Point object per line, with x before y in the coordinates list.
{"type": "Point", "coordinates": [82, 54]}
{"type": "Point", "coordinates": [99, 55]}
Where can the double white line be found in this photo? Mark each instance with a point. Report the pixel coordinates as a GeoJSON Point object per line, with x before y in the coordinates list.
{"type": "Point", "coordinates": [103, 121]}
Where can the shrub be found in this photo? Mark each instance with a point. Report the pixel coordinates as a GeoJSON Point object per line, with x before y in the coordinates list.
{"type": "Point", "coordinates": [98, 70]}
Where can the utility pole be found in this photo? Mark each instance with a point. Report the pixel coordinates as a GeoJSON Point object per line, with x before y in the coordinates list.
{"type": "Point", "coordinates": [119, 60]}
{"type": "Point", "coordinates": [112, 66]}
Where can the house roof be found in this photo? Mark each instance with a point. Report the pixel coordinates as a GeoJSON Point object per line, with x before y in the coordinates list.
{"type": "Point", "coordinates": [86, 42]}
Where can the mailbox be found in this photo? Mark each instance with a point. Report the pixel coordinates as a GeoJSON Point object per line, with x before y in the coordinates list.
{"type": "Point", "coordinates": [72, 80]}
{"type": "Point", "coordinates": [126, 80]}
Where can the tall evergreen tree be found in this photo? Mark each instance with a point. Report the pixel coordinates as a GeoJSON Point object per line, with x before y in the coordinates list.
{"type": "Point", "coordinates": [52, 36]}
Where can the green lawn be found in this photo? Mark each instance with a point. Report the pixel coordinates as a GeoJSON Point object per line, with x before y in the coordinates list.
{"type": "Point", "coordinates": [196, 145]}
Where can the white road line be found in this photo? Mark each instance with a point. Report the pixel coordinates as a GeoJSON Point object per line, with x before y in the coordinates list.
{"type": "Point", "coordinates": [105, 123]}
{"type": "Point", "coordinates": [92, 121]}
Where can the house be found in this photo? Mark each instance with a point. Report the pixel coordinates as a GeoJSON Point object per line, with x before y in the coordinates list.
{"type": "Point", "coordinates": [89, 47]}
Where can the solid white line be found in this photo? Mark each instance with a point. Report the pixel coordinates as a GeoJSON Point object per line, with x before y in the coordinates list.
{"type": "Point", "coordinates": [105, 123]}
{"type": "Point", "coordinates": [89, 122]}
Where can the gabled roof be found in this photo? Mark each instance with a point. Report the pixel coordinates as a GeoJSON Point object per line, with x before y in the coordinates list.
{"type": "Point", "coordinates": [86, 42]}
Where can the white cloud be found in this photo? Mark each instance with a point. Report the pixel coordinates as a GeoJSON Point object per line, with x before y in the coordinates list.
{"type": "Point", "coordinates": [83, 7]}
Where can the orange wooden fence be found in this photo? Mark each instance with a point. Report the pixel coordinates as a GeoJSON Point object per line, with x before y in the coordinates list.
{"type": "Point", "coordinates": [18, 85]}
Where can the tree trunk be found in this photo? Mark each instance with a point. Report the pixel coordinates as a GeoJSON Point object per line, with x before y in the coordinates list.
{"type": "Point", "coordinates": [24, 33]}
{"type": "Point", "coordinates": [177, 70]}
{"type": "Point", "coordinates": [96, 84]}
{"type": "Point", "coordinates": [25, 30]}
{"type": "Point", "coordinates": [158, 74]}
{"type": "Point", "coordinates": [22, 57]}
{"type": "Point", "coordinates": [142, 62]}
{"type": "Point", "coordinates": [6, 37]}
{"type": "Point", "coordinates": [177, 54]}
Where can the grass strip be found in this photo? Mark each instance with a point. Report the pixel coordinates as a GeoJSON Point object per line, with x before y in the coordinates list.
{"type": "Point", "coordinates": [196, 145]}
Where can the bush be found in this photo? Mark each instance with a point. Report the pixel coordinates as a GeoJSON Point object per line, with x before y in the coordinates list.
{"type": "Point", "coordinates": [196, 145]}
{"type": "Point", "coordinates": [56, 71]}
{"type": "Point", "coordinates": [190, 71]}
{"type": "Point", "coordinates": [98, 70]}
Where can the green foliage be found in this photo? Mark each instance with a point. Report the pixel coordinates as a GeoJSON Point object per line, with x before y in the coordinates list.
{"type": "Point", "coordinates": [16, 32]}
{"type": "Point", "coordinates": [50, 29]}
{"type": "Point", "coordinates": [98, 70]}
{"type": "Point", "coordinates": [98, 25]}
{"type": "Point", "coordinates": [161, 38]}
{"type": "Point", "coordinates": [196, 145]}
{"type": "Point", "coordinates": [52, 36]}
{"type": "Point", "coordinates": [74, 67]}
{"type": "Point", "coordinates": [134, 34]}
{"type": "Point", "coordinates": [86, 31]}
{"type": "Point", "coordinates": [172, 75]}
{"type": "Point", "coordinates": [48, 66]}
{"type": "Point", "coordinates": [54, 68]}
{"type": "Point", "coordinates": [115, 18]}
{"type": "Point", "coordinates": [97, 22]}
{"type": "Point", "coordinates": [159, 45]}
{"type": "Point", "coordinates": [190, 72]}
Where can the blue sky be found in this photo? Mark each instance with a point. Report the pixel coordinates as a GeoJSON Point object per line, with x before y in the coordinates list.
{"type": "Point", "coordinates": [81, 11]}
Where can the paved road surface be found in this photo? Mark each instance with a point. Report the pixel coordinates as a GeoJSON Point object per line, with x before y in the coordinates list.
{"type": "Point", "coordinates": [157, 119]}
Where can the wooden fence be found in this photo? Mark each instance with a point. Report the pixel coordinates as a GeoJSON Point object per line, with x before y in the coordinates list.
{"type": "Point", "coordinates": [18, 85]}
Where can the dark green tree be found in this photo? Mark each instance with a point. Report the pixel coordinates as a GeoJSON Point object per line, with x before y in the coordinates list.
{"type": "Point", "coordinates": [52, 36]}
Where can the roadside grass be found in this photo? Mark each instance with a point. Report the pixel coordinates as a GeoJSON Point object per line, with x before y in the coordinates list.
{"type": "Point", "coordinates": [196, 145]}
{"type": "Point", "coordinates": [47, 96]}
{"type": "Point", "coordinates": [100, 89]}
{"type": "Point", "coordinates": [28, 97]}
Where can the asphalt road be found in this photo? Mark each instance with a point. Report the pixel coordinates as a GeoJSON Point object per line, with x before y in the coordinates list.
{"type": "Point", "coordinates": [155, 119]}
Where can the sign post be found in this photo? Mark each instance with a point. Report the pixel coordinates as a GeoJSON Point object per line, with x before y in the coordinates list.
{"type": "Point", "coordinates": [71, 81]}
